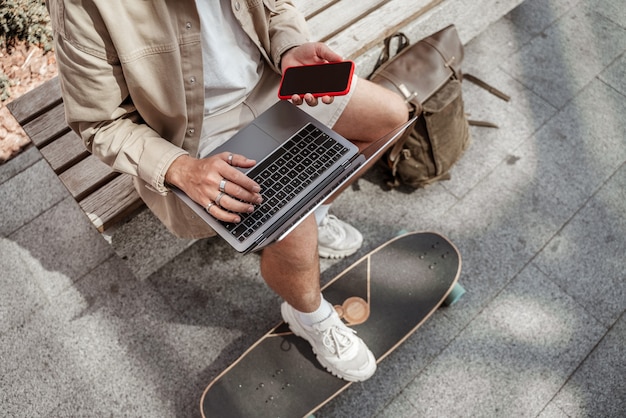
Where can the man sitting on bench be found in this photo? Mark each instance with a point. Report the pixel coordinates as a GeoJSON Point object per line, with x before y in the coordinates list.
{"type": "Point", "coordinates": [152, 87]}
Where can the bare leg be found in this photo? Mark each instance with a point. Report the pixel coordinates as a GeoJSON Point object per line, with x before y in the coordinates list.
{"type": "Point", "coordinates": [372, 112]}
{"type": "Point", "coordinates": [291, 267]}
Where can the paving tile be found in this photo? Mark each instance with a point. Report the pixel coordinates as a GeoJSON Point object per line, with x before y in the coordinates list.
{"type": "Point", "coordinates": [63, 240]}
{"type": "Point", "coordinates": [478, 161]}
{"type": "Point", "coordinates": [30, 366]}
{"type": "Point", "coordinates": [613, 10]}
{"type": "Point", "coordinates": [534, 16]}
{"type": "Point", "coordinates": [615, 75]}
{"type": "Point", "coordinates": [19, 163]}
{"type": "Point", "coordinates": [27, 195]}
{"type": "Point", "coordinates": [513, 358]}
{"type": "Point", "coordinates": [551, 64]}
{"type": "Point", "coordinates": [586, 258]}
{"type": "Point", "coordinates": [20, 295]}
{"type": "Point", "coordinates": [552, 411]}
{"type": "Point", "coordinates": [144, 243]}
{"type": "Point", "coordinates": [494, 45]}
{"type": "Point", "coordinates": [399, 407]}
{"type": "Point", "coordinates": [598, 388]}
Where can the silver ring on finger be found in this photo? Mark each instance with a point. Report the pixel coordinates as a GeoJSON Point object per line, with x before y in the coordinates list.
{"type": "Point", "coordinates": [230, 159]}
{"type": "Point", "coordinates": [208, 207]}
{"type": "Point", "coordinates": [223, 185]}
{"type": "Point", "coordinates": [218, 198]}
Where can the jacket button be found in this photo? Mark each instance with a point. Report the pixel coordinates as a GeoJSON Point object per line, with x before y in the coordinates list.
{"type": "Point", "coordinates": [237, 6]}
{"type": "Point", "coordinates": [188, 25]}
{"type": "Point", "coordinates": [192, 80]}
{"type": "Point", "coordinates": [190, 131]}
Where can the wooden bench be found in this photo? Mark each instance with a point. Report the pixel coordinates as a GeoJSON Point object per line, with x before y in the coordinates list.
{"type": "Point", "coordinates": [355, 29]}
{"type": "Point", "coordinates": [104, 195]}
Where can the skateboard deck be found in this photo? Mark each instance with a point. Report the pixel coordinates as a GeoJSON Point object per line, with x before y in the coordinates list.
{"type": "Point", "coordinates": [385, 296]}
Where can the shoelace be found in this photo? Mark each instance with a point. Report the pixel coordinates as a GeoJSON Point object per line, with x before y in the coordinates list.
{"type": "Point", "coordinates": [335, 230]}
{"type": "Point", "coordinates": [337, 340]}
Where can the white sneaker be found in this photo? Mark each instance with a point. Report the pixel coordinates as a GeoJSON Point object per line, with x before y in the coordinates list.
{"type": "Point", "coordinates": [336, 346]}
{"type": "Point", "coordinates": [337, 239]}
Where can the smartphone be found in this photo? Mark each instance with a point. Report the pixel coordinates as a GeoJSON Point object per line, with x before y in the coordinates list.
{"type": "Point", "coordinates": [328, 79]}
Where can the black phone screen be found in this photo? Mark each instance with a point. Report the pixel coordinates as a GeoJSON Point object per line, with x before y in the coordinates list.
{"type": "Point", "coordinates": [323, 79]}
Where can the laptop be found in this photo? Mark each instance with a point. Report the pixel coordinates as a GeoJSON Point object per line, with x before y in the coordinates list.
{"type": "Point", "coordinates": [300, 162]}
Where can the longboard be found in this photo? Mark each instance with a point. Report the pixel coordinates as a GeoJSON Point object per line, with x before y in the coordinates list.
{"type": "Point", "coordinates": [385, 296]}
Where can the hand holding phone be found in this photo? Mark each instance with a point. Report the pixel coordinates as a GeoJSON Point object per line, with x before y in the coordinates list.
{"type": "Point", "coordinates": [328, 79]}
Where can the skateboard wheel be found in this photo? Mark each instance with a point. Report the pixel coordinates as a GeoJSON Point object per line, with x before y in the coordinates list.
{"type": "Point", "coordinates": [355, 310]}
{"type": "Point", "coordinates": [455, 294]}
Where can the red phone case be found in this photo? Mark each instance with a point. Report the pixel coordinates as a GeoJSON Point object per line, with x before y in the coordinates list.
{"type": "Point", "coordinates": [328, 79]}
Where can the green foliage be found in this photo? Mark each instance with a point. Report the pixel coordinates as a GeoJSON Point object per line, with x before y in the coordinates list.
{"type": "Point", "coordinates": [22, 21]}
{"type": "Point", "coordinates": [25, 20]}
{"type": "Point", "coordinates": [5, 83]}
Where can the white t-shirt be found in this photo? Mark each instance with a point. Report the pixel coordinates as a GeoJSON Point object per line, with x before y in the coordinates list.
{"type": "Point", "coordinates": [232, 63]}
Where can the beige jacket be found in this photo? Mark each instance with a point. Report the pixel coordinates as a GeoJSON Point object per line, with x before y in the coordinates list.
{"type": "Point", "coordinates": [132, 82]}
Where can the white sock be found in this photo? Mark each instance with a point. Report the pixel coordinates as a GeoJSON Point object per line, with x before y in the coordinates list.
{"type": "Point", "coordinates": [320, 213]}
{"type": "Point", "coordinates": [324, 311]}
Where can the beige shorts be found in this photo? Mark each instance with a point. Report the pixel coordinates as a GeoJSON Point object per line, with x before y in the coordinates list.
{"type": "Point", "coordinates": [216, 129]}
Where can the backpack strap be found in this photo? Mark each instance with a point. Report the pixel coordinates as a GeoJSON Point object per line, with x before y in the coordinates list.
{"type": "Point", "coordinates": [386, 53]}
{"type": "Point", "coordinates": [482, 123]}
{"type": "Point", "coordinates": [488, 87]}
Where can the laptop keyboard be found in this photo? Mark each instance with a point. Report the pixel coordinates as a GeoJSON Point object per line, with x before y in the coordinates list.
{"type": "Point", "coordinates": [285, 173]}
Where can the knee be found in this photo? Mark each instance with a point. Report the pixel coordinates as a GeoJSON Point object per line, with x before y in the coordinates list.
{"type": "Point", "coordinates": [389, 108]}
{"type": "Point", "coordinates": [396, 109]}
{"type": "Point", "coordinates": [372, 112]}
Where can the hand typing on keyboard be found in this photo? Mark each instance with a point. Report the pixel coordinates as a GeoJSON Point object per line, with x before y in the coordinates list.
{"type": "Point", "coordinates": [287, 172]}
{"type": "Point", "coordinates": [216, 184]}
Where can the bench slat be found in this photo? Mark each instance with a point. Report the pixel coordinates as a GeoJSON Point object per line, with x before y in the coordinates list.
{"type": "Point", "coordinates": [36, 102]}
{"type": "Point", "coordinates": [112, 203]}
{"type": "Point", "coordinates": [47, 127]}
{"type": "Point", "coordinates": [341, 15]}
{"type": "Point", "coordinates": [65, 152]}
{"type": "Point", "coordinates": [86, 177]}
{"type": "Point", "coordinates": [310, 8]}
{"type": "Point", "coordinates": [393, 15]}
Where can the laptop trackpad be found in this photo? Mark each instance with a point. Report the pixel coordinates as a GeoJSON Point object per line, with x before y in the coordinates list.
{"type": "Point", "coordinates": [251, 142]}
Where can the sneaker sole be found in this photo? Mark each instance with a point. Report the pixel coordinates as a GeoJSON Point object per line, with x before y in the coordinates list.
{"type": "Point", "coordinates": [298, 332]}
{"type": "Point", "coordinates": [334, 254]}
